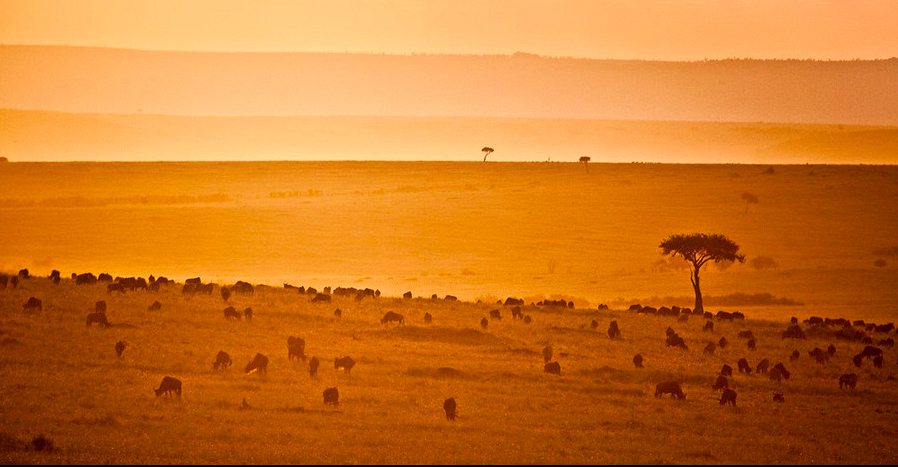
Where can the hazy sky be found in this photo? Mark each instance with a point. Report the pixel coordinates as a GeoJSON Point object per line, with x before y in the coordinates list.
{"type": "Point", "coordinates": [641, 29]}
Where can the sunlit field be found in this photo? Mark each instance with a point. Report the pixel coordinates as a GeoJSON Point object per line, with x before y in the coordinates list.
{"type": "Point", "coordinates": [63, 381]}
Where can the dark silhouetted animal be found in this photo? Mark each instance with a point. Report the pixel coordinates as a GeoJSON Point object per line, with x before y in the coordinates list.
{"type": "Point", "coordinates": [321, 298]}
{"type": "Point", "coordinates": [313, 366]}
{"type": "Point", "coordinates": [24, 274]}
{"type": "Point", "coordinates": [593, 324]}
{"type": "Point", "coordinates": [614, 330]}
{"type": "Point", "coordinates": [547, 354]}
{"type": "Point", "coordinates": [331, 397]}
{"type": "Point", "coordinates": [778, 397]}
{"type": "Point", "coordinates": [870, 351]}
{"type": "Point", "coordinates": [33, 304]}
{"type": "Point", "coordinates": [752, 345]}
{"type": "Point", "coordinates": [449, 406]}
{"type": "Point", "coordinates": [857, 360]}
{"type": "Point", "coordinates": [231, 312]}
{"type": "Point", "coordinates": [120, 347]}
{"type": "Point", "coordinates": [553, 368]}
{"type": "Point", "coordinates": [338, 313]}
{"type": "Point", "coordinates": [746, 334]}
{"type": "Point", "coordinates": [392, 316]}
{"type": "Point", "coordinates": [259, 363]}
{"type": "Point", "coordinates": [346, 363]}
{"type": "Point", "coordinates": [848, 380]}
{"type": "Point", "coordinates": [115, 287]}
{"type": "Point", "coordinates": [763, 366]}
{"type": "Point", "coordinates": [674, 340]}
{"type": "Point", "coordinates": [670, 387]}
{"type": "Point", "coordinates": [222, 361]}
{"type": "Point", "coordinates": [722, 343]}
{"type": "Point", "coordinates": [99, 318]}
{"type": "Point", "coordinates": [407, 295]}
{"type": "Point", "coordinates": [4, 279]}
{"type": "Point", "coordinates": [726, 370]}
{"type": "Point", "coordinates": [683, 318]}
{"type": "Point", "coordinates": [494, 314]}
{"type": "Point", "coordinates": [516, 312]}
{"type": "Point", "coordinates": [728, 397]}
{"type": "Point", "coordinates": [194, 281]}
{"type": "Point", "coordinates": [709, 326]}
{"type": "Point", "coordinates": [744, 366]}
{"type": "Point", "coordinates": [720, 383]}
{"type": "Point", "coordinates": [831, 350]}
{"type": "Point", "coordinates": [248, 313]}
{"type": "Point", "coordinates": [100, 307]}
{"type": "Point", "coordinates": [794, 332]}
{"type": "Point", "coordinates": [527, 319]}
{"type": "Point", "coordinates": [510, 301]}
{"type": "Point", "coordinates": [484, 323]}
{"type": "Point", "coordinates": [887, 342]}
{"type": "Point", "coordinates": [14, 281]}
{"type": "Point", "coordinates": [106, 277]}
{"type": "Point", "coordinates": [795, 355]}
{"type": "Point", "coordinates": [637, 360]}
{"type": "Point", "coordinates": [820, 356]}
{"type": "Point", "coordinates": [242, 288]}
{"type": "Point", "coordinates": [296, 348]}
{"type": "Point", "coordinates": [710, 348]}
{"type": "Point", "coordinates": [155, 306]}
{"type": "Point", "coordinates": [225, 293]}
{"type": "Point", "coordinates": [779, 372]}
{"type": "Point", "coordinates": [168, 386]}
{"type": "Point", "coordinates": [877, 361]}
{"type": "Point", "coordinates": [428, 318]}
{"type": "Point", "coordinates": [451, 298]}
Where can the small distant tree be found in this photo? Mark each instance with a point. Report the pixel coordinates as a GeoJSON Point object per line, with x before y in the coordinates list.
{"type": "Point", "coordinates": [486, 152]}
{"type": "Point", "coordinates": [698, 249]}
{"type": "Point", "coordinates": [585, 160]}
{"type": "Point", "coordinates": [749, 199]}
{"type": "Point", "coordinates": [3, 159]}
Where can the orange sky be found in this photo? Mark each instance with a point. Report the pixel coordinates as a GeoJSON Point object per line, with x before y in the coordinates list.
{"type": "Point", "coordinates": [646, 29]}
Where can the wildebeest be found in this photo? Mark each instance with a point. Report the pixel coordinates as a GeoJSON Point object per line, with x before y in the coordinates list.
{"type": "Point", "coordinates": [728, 397]}
{"type": "Point", "coordinates": [726, 370]}
{"type": "Point", "coordinates": [794, 332]}
{"type": "Point", "coordinates": [248, 313]}
{"type": "Point", "coordinates": [14, 281]}
{"type": "Point", "coordinates": [296, 348]}
{"type": "Point", "coordinates": [99, 318]}
{"type": "Point", "coordinates": [392, 316]}
{"type": "Point", "coordinates": [746, 334]}
{"type": "Point", "coordinates": [484, 323]}
{"type": "Point", "coordinates": [744, 367]}
{"type": "Point", "coordinates": [795, 355]}
{"type": "Point", "coordinates": [222, 360]}
{"type": "Point", "coordinates": [603, 307]}
{"type": "Point", "coordinates": [55, 276]}
{"type": "Point", "coordinates": [344, 362]}
{"type": "Point", "coordinates": [259, 363]}
{"type": "Point", "coordinates": [720, 383]}
{"type": "Point", "coordinates": [553, 368]}
{"type": "Point", "coordinates": [225, 293]}
{"type": "Point", "coordinates": [450, 298]}
{"type": "Point", "coordinates": [670, 387]}
{"type": "Point", "coordinates": [24, 274]}
{"type": "Point", "coordinates": [407, 295]}
{"type": "Point", "coordinates": [683, 318]}
{"type": "Point", "coordinates": [670, 332]}
{"type": "Point", "coordinates": [120, 347]}
{"type": "Point", "coordinates": [593, 324]}
{"type": "Point", "coordinates": [762, 366]}
{"type": "Point", "coordinates": [674, 340]}
{"type": "Point", "coordinates": [722, 343]}
{"type": "Point", "coordinates": [494, 314]}
{"type": "Point", "coordinates": [4, 279]}
{"type": "Point", "coordinates": [231, 312]}
{"type": "Point", "coordinates": [857, 360]}
{"type": "Point", "coordinates": [637, 360]}
{"type": "Point", "coordinates": [778, 397]}
{"type": "Point", "coordinates": [106, 277]}
{"type": "Point", "coordinates": [547, 354]}
{"type": "Point", "coordinates": [242, 288]}
{"type": "Point", "coordinates": [511, 301]}
{"type": "Point", "coordinates": [313, 366]}
{"type": "Point", "coordinates": [33, 303]}
{"type": "Point", "coordinates": [848, 380]}
{"type": "Point", "coordinates": [877, 361]}
{"type": "Point", "coordinates": [709, 326]}
{"type": "Point", "coordinates": [168, 386]}
{"type": "Point", "coordinates": [321, 298]}
{"type": "Point", "coordinates": [527, 319]}
{"type": "Point", "coordinates": [752, 345]}
{"type": "Point", "coordinates": [710, 348]}
{"type": "Point", "coordinates": [115, 287]}
{"type": "Point", "coordinates": [449, 406]}
{"type": "Point", "coordinates": [819, 355]}
{"type": "Point", "coordinates": [516, 312]}
{"type": "Point", "coordinates": [614, 330]}
{"type": "Point", "coordinates": [887, 342]}
{"type": "Point", "coordinates": [831, 350]}
{"type": "Point", "coordinates": [338, 313]}
{"type": "Point", "coordinates": [194, 281]}
{"type": "Point", "coordinates": [778, 372]}
{"type": "Point", "coordinates": [155, 306]}
{"type": "Point", "coordinates": [332, 397]}
{"type": "Point", "coordinates": [870, 351]}
{"type": "Point", "coordinates": [428, 318]}
{"type": "Point", "coordinates": [100, 307]}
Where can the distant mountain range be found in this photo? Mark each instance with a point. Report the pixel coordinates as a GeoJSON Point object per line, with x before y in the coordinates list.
{"type": "Point", "coordinates": [117, 81]}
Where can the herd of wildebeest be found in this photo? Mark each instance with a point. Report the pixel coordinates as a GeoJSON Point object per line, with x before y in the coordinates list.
{"type": "Point", "coordinates": [872, 335]}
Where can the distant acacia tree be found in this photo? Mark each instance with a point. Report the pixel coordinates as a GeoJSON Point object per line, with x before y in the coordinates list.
{"type": "Point", "coordinates": [749, 199]}
{"type": "Point", "coordinates": [585, 160]}
{"type": "Point", "coordinates": [486, 152]}
{"type": "Point", "coordinates": [698, 249]}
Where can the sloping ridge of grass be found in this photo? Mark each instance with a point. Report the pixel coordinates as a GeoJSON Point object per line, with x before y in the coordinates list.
{"type": "Point", "coordinates": [440, 334]}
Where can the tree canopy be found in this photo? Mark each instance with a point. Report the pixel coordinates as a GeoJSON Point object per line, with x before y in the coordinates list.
{"type": "Point", "coordinates": [699, 248]}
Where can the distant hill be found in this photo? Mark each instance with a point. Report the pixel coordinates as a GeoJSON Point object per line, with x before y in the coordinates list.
{"type": "Point", "coordinates": [96, 80]}
{"type": "Point", "coordinates": [48, 136]}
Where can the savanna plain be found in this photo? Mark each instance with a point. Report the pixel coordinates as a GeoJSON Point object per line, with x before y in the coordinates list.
{"type": "Point", "coordinates": [818, 240]}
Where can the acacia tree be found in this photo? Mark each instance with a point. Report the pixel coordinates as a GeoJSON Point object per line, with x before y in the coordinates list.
{"type": "Point", "coordinates": [585, 160]}
{"type": "Point", "coordinates": [698, 249]}
{"type": "Point", "coordinates": [486, 152]}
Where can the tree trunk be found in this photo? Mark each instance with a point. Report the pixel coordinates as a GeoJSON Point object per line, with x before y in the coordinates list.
{"type": "Point", "coordinates": [698, 291]}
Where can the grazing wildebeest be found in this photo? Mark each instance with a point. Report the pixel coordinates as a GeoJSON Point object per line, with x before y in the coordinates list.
{"type": "Point", "coordinates": [887, 342]}
{"type": "Point", "coordinates": [722, 343]}
{"type": "Point", "coordinates": [831, 350]}
{"type": "Point", "coordinates": [870, 351]}
{"type": "Point", "coordinates": [752, 345]}
{"type": "Point", "coordinates": [321, 298]}
{"type": "Point", "coordinates": [4, 279]}
{"type": "Point", "coordinates": [848, 380]}
{"type": "Point", "coordinates": [222, 360]}
{"type": "Point", "coordinates": [877, 361]}
{"type": "Point", "coordinates": [99, 318]}
{"type": "Point", "coordinates": [709, 326]}
{"type": "Point", "coordinates": [115, 287]}
{"type": "Point", "coordinates": [553, 368]}
{"type": "Point", "coordinates": [313, 366]}
{"type": "Point", "coordinates": [670, 387]}
{"type": "Point", "coordinates": [795, 355]}
{"type": "Point", "coordinates": [32, 304]}
{"type": "Point", "coordinates": [55, 276]}
{"type": "Point", "coordinates": [547, 354]}
{"type": "Point", "coordinates": [494, 314]}
{"type": "Point", "coordinates": [332, 397]}
{"type": "Point", "coordinates": [100, 307]}
{"type": "Point", "coordinates": [225, 293]}
{"type": "Point", "coordinates": [726, 370]}
{"type": "Point", "coordinates": [484, 323]}
{"type": "Point", "coordinates": [819, 355]}
{"type": "Point", "coordinates": [762, 367]}
{"type": "Point", "coordinates": [248, 313]}
{"type": "Point", "coordinates": [637, 360]}
{"type": "Point", "coordinates": [746, 334]}
{"type": "Point", "coordinates": [259, 363]}
{"type": "Point", "coordinates": [296, 348]}
{"type": "Point", "coordinates": [451, 298]}
{"type": "Point", "coordinates": [603, 307]}
{"type": "Point", "coordinates": [511, 301]}
{"type": "Point", "coordinates": [635, 308]}
{"type": "Point", "coordinates": [155, 306]}
{"type": "Point", "coordinates": [345, 362]}
{"type": "Point", "coordinates": [516, 312]}
{"type": "Point", "coordinates": [778, 397]}
{"type": "Point", "coordinates": [720, 383]}
{"type": "Point", "coordinates": [242, 288]}
{"type": "Point", "coordinates": [794, 332]}
{"type": "Point", "coordinates": [231, 312]}
{"type": "Point", "coordinates": [106, 277]}
{"type": "Point", "coordinates": [867, 340]}
{"type": "Point", "coordinates": [169, 385]}
{"type": "Point", "coordinates": [24, 274]}
{"type": "Point", "coordinates": [744, 367]}
{"type": "Point", "coordinates": [14, 281]}
{"type": "Point", "coordinates": [670, 332]}
{"type": "Point", "coordinates": [527, 319]}
{"type": "Point", "coordinates": [407, 295]}
{"type": "Point", "coordinates": [120, 347]}
{"type": "Point", "coordinates": [710, 348]}
{"type": "Point", "coordinates": [728, 397]}
{"type": "Point", "coordinates": [676, 341]}
{"type": "Point", "coordinates": [428, 318]}
{"type": "Point", "coordinates": [449, 406]}
{"type": "Point", "coordinates": [613, 330]}
{"type": "Point", "coordinates": [392, 316]}
{"type": "Point", "coordinates": [857, 360]}
{"type": "Point", "coordinates": [593, 324]}
{"type": "Point", "coordinates": [338, 313]}
{"type": "Point", "coordinates": [683, 318]}
{"type": "Point", "coordinates": [779, 371]}
{"type": "Point", "coordinates": [194, 281]}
